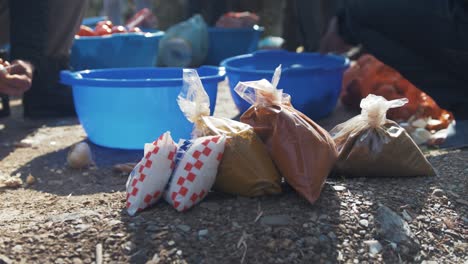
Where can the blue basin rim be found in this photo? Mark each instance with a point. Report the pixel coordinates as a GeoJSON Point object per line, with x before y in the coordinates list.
{"type": "Point", "coordinates": [82, 78]}
{"type": "Point", "coordinates": [123, 35]}
{"type": "Point", "coordinates": [270, 53]}
{"type": "Point", "coordinates": [230, 30]}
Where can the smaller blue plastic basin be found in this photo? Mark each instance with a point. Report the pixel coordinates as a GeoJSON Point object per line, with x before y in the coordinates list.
{"type": "Point", "coordinates": [228, 42]}
{"type": "Point", "coordinates": [125, 108]}
{"type": "Point", "coordinates": [115, 51]}
{"type": "Point", "coordinates": [313, 80]}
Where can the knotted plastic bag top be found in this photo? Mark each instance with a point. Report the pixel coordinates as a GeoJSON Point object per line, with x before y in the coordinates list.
{"type": "Point", "coordinates": [263, 92]}
{"type": "Point", "coordinates": [193, 100]}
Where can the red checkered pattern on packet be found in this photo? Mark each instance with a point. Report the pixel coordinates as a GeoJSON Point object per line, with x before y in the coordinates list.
{"type": "Point", "coordinates": [189, 175]}
{"type": "Point", "coordinates": [138, 180]}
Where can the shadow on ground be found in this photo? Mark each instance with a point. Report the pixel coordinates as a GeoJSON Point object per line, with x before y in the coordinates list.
{"type": "Point", "coordinates": [228, 229]}
{"type": "Point", "coordinates": [56, 177]}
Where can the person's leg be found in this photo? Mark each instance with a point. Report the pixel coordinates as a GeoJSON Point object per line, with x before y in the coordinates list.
{"type": "Point", "coordinates": [4, 23]}
{"type": "Point", "coordinates": [313, 18]}
{"type": "Point", "coordinates": [47, 97]}
{"type": "Point", "coordinates": [4, 39]}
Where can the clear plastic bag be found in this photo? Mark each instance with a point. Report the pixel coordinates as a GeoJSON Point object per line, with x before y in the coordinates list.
{"type": "Point", "coordinates": [371, 145]}
{"type": "Point", "coordinates": [184, 44]}
{"type": "Point", "coordinates": [303, 151]}
{"type": "Point", "coordinates": [196, 170]}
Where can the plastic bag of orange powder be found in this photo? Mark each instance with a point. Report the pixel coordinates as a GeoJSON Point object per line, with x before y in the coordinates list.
{"type": "Point", "coordinates": [303, 151]}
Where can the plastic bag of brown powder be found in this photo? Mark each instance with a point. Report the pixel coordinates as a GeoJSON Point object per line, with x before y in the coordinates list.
{"type": "Point", "coordinates": [371, 145]}
{"type": "Point", "coordinates": [246, 168]}
{"type": "Point", "coordinates": [303, 151]}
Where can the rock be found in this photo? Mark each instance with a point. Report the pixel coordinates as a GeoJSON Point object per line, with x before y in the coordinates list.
{"type": "Point", "coordinates": [82, 227]}
{"type": "Point", "coordinates": [18, 248]}
{"type": "Point", "coordinates": [152, 228]}
{"type": "Point", "coordinates": [203, 232]}
{"type": "Point", "coordinates": [276, 220]}
{"type": "Point", "coordinates": [391, 227]}
{"type": "Point", "coordinates": [60, 261]}
{"type": "Point", "coordinates": [212, 206]}
{"type": "Point", "coordinates": [374, 246]}
{"type": "Point", "coordinates": [406, 216]}
{"type": "Point", "coordinates": [364, 216]}
{"type": "Point", "coordinates": [129, 246]}
{"type": "Point", "coordinates": [438, 192]}
{"type": "Point", "coordinates": [364, 222]}
{"type": "Point", "coordinates": [339, 188]}
{"type": "Point", "coordinates": [184, 228]}
{"type": "Point", "coordinates": [171, 243]}
{"type": "Point", "coordinates": [30, 180]}
{"type": "Point", "coordinates": [429, 262]}
{"type": "Point", "coordinates": [77, 261]}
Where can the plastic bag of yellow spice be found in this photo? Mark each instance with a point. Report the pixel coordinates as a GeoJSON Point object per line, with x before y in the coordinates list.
{"type": "Point", "coordinates": [246, 168]}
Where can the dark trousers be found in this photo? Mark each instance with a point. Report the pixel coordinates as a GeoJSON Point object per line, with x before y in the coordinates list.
{"type": "Point", "coordinates": [425, 40]}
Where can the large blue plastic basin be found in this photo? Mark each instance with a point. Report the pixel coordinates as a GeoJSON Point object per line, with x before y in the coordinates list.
{"type": "Point", "coordinates": [313, 80]}
{"type": "Point", "coordinates": [228, 42]}
{"type": "Point", "coordinates": [125, 108]}
{"type": "Point", "coordinates": [115, 51]}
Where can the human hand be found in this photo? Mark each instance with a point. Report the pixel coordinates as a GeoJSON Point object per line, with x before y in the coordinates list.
{"type": "Point", "coordinates": [15, 78]}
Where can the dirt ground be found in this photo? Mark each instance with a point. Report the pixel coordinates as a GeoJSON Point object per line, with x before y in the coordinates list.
{"type": "Point", "coordinates": [68, 215]}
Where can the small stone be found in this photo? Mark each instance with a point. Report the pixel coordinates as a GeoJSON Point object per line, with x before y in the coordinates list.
{"type": "Point", "coordinates": [18, 248]}
{"type": "Point", "coordinates": [77, 261]}
{"type": "Point", "coordinates": [406, 216]}
{"type": "Point", "coordinates": [339, 188]}
{"type": "Point", "coordinates": [429, 262]}
{"type": "Point", "coordinates": [374, 246]}
{"type": "Point", "coordinates": [364, 222]}
{"type": "Point", "coordinates": [184, 228]}
{"type": "Point", "coordinates": [331, 235]}
{"type": "Point", "coordinates": [152, 228]}
{"type": "Point", "coordinates": [179, 252]}
{"type": "Point", "coordinates": [438, 192]}
{"type": "Point", "coordinates": [129, 246]}
{"type": "Point", "coordinates": [276, 220]}
{"type": "Point", "coordinates": [60, 261]}
{"type": "Point", "coordinates": [171, 243]}
{"type": "Point", "coordinates": [236, 225]}
{"type": "Point", "coordinates": [30, 180]}
{"type": "Point", "coordinates": [203, 232]}
{"type": "Point", "coordinates": [212, 206]}
{"type": "Point", "coordinates": [364, 216]}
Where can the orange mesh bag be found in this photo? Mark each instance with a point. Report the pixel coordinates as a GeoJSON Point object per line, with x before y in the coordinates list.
{"type": "Point", "coordinates": [371, 76]}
